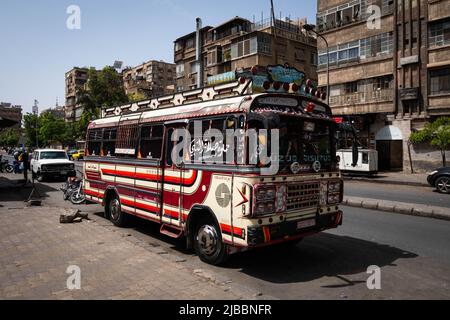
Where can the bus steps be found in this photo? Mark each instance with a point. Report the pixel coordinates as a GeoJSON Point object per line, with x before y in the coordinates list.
{"type": "Point", "coordinates": [171, 231]}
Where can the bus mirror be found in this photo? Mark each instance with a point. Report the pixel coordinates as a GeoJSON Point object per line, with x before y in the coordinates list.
{"type": "Point", "coordinates": [355, 154]}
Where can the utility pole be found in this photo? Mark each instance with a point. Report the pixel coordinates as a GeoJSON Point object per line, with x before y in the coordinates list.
{"type": "Point", "coordinates": [272, 9]}
{"type": "Point", "coordinates": [36, 112]}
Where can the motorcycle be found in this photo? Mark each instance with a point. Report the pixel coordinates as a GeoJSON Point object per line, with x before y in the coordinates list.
{"type": "Point", "coordinates": [78, 196]}
{"type": "Point", "coordinates": [6, 167]}
{"type": "Point", "coordinates": [73, 190]}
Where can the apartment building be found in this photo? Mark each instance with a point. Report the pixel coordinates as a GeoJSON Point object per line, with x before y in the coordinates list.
{"type": "Point", "coordinates": [75, 79]}
{"type": "Point", "coordinates": [150, 79]}
{"type": "Point", "coordinates": [10, 115]}
{"type": "Point", "coordinates": [388, 76]}
{"type": "Point", "coordinates": [240, 43]}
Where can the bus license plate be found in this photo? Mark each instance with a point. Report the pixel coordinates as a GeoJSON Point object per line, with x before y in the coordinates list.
{"type": "Point", "coordinates": [306, 224]}
{"type": "Point", "coordinates": [63, 173]}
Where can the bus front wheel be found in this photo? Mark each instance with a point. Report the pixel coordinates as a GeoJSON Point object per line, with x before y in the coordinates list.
{"type": "Point", "coordinates": [208, 243]}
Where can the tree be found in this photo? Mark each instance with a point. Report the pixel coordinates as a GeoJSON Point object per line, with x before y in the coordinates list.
{"type": "Point", "coordinates": [52, 130]}
{"type": "Point", "coordinates": [437, 134]}
{"type": "Point", "coordinates": [31, 123]}
{"type": "Point", "coordinates": [104, 88]}
{"type": "Point", "coordinates": [9, 137]}
{"type": "Point", "coordinates": [134, 97]}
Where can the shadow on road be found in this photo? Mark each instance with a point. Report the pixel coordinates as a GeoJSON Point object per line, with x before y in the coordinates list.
{"type": "Point", "coordinates": [14, 189]}
{"type": "Point", "coordinates": [321, 255]}
{"type": "Point", "coordinates": [315, 257]}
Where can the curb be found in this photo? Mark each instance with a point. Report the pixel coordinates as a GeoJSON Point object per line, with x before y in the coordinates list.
{"type": "Point", "coordinates": [394, 182]}
{"type": "Point", "coordinates": [399, 207]}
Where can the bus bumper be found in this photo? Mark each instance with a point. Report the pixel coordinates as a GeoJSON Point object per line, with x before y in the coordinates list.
{"type": "Point", "coordinates": [288, 230]}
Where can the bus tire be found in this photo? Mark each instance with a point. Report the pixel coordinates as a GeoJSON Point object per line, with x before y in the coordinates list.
{"type": "Point", "coordinates": [208, 244]}
{"type": "Point", "coordinates": [115, 213]}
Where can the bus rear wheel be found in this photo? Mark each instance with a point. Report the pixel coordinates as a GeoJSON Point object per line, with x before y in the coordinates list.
{"type": "Point", "coordinates": [208, 243]}
{"type": "Point", "coordinates": [115, 213]}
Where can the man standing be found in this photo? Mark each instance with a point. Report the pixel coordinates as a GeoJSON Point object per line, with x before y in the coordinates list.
{"type": "Point", "coordinates": [25, 165]}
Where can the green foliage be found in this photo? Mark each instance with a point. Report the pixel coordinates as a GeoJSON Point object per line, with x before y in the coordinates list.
{"type": "Point", "coordinates": [436, 134]}
{"type": "Point", "coordinates": [9, 137]}
{"type": "Point", "coordinates": [134, 97]}
{"type": "Point", "coordinates": [30, 123]}
{"type": "Point", "coordinates": [50, 130]}
{"type": "Point", "coordinates": [104, 88]}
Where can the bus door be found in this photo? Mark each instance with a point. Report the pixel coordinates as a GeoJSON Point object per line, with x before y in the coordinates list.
{"type": "Point", "coordinates": [173, 176]}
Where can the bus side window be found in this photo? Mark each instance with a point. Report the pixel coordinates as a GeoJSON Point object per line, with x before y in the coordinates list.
{"type": "Point", "coordinates": [151, 142]}
{"type": "Point", "coordinates": [109, 142]}
{"type": "Point", "coordinates": [126, 142]}
{"type": "Point", "coordinates": [170, 145]}
{"type": "Point", "coordinates": [94, 142]}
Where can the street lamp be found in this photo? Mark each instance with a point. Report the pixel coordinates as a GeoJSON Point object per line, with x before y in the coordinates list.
{"type": "Point", "coordinates": [312, 28]}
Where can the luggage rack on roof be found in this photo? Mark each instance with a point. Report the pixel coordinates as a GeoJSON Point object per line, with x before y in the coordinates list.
{"type": "Point", "coordinates": [258, 79]}
{"type": "Point", "coordinates": [221, 91]}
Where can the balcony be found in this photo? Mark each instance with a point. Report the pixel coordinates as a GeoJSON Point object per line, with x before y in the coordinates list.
{"type": "Point", "coordinates": [362, 97]}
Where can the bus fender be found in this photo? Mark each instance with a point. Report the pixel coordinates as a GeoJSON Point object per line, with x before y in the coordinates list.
{"type": "Point", "coordinates": [196, 213]}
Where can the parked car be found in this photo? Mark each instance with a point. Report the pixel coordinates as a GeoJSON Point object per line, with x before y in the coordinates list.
{"type": "Point", "coordinates": [78, 155]}
{"type": "Point", "coordinates": [70, 153]}
{"type": "Point", "coordinates": [440, 179]}
{"type": "Point", "coordinates": [51, 162]}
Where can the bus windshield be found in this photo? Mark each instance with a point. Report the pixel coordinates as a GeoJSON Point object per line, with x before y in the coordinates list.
{"type": "Point", "coordinates": [304, 141]}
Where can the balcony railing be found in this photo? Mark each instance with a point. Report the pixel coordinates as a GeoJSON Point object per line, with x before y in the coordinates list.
{"type": "Point", "coordinates": [362, 97]}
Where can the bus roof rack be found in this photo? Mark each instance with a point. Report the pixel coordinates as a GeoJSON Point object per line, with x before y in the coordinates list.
{"type": "Point", "coordinates": [258, 79]}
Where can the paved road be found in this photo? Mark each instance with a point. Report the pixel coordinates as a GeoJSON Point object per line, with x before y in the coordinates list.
{"type": "Point", "coordinates": [412, 253]}
{"type": "Point", "coordinates": [408, 194]}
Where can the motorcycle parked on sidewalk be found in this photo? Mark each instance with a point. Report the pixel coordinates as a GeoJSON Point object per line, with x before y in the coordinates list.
{"type": "Point", "coordinates": [73, 190]}
{"type": "Point", "coordinates": [6, 167]}
{"type": "Point", "coordinates": [78, 196]}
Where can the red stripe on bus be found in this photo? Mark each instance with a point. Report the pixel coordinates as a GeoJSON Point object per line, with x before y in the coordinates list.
{"type": "Point", "coordinates": [145, 207]}
{"type": "Point", "coordinates": [150, 177]}
{"type": "Point", "coordinates": [227, 229]}
{"type": "Point", "coordinates": [93, 193]}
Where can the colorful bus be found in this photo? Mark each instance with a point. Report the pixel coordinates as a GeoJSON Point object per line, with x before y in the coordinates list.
{"type": "Point", "coordinates": [218, 194]}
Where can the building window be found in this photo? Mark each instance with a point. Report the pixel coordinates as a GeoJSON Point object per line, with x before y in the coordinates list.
{"type": "Point", "coordinates": [439, 33]}
{"type": "Point", "coordinates": [440, 81]}
{"type": "Point", "coordinates": [264, 44]}
{"type": "Point", "coordinates": [351, 87]}
{"type": "Point", "coordinates": [339, 16]}
{"type": "Point", "coordinates": [180, 70]}
{"type": "Point", "coordinates": [244, 48]}
{"type": "Point", "coordinates": [190, 43]}
{"type": "Point", "coordinates": [214, 56]}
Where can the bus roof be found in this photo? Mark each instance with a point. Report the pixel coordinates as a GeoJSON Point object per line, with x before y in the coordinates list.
{"type": "Point", "coordinates": [222, 98]}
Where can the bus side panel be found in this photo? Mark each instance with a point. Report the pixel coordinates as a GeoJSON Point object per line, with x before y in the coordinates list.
{"type": "Point", "coordinates": [93, 186]}
{"type": "Point", "coordinates": [148, 192]}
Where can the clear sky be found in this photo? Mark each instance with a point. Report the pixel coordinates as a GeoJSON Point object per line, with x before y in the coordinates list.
{"type": "Point", "coordinates": [36, 47]}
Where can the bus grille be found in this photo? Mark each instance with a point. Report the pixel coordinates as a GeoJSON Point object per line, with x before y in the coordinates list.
{"type": "Point", "coordinates": [303, 196]}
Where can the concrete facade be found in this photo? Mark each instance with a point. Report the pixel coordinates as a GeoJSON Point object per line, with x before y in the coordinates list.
{"type": "Point", "coordinates": [238, 44]}
{"type": "Point", "coordinates": [75, 79]}
{"type": "Point", "coordinates": [395, 74]}
{"type": "Point", "coordinates": [151, 79]}
{"type": "Point", "coordinates": [10, 112]}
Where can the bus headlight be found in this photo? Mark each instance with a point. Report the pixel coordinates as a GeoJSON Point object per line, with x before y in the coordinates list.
{"type": "Point", "coordinates": [269, 199]}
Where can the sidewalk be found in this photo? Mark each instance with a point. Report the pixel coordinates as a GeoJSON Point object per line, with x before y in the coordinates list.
{"type": "Point", "coordinates": [397, 178]}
